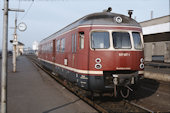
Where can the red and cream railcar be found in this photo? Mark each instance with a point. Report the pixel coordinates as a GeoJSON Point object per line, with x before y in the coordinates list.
{"type": "Point", "coordinates": [98, 52]}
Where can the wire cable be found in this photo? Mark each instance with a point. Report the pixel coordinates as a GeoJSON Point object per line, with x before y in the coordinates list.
{"type": "Point", "coordinates": [28, 10]}
{"type": "Point", "coordinates": [17, 13]}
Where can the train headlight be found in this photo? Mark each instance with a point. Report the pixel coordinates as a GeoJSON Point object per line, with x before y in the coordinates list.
{"type": "Point", "coordinates": [141, 60]}
{"type": "Point", "coordinates": [98, 60]}
{"type": "Point", "coordinates": [118, 19]}
{"type": "Point", "coordinates": [98, 66]}
{"type": "Point", "coordinates": [142, 66]}
{"type": "Point", "coordinates": [141, 63]}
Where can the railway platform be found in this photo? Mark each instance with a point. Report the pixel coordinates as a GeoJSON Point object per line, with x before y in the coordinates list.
{"type": "Point", "coordinates": [157, 70]}
{"type": "Point", "coordinates": [30, 90]}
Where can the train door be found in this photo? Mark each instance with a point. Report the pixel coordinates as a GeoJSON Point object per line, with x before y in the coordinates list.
{"type": "Point", "coordinates": [74, 76]}
{"type": "Point", "coordinates": [74, 49]}
{"type": "Point", "coordinates": [83, 60]}
{"type": "Point", "coordinates": [53, 55]}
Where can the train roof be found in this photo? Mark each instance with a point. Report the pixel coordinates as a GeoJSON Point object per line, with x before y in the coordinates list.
{"type": "Point", "coordinates": [102, 18]}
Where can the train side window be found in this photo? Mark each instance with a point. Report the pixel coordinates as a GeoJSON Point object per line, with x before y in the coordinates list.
{"type": "Point", "coordinates": [48, 47]}
{"type": "Point", "coordinates": [72, 43]}
{"type": "Point", "coordinates": [51, 46]}
{"type": "Point", "coordinates": [62, 45]}
{"type": "Point", "coordinates": [45, 47]}
{"type": "Point", "coordinates": [75, 42]}
{"type": "Point", "coordinates": [58, 46]}
{"type": "Point", "coordinates": [81, 35]}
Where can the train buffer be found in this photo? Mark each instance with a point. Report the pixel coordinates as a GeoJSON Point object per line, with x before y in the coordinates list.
{"type": "Point", "coordinates": [30, 90]}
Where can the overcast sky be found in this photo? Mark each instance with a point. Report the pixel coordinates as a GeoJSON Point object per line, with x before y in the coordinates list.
{"type": "Point", "coordinates": [44, 17]}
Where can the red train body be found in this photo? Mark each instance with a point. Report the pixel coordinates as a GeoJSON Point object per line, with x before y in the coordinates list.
{"type": "Point", "coordinates": [99, 52]}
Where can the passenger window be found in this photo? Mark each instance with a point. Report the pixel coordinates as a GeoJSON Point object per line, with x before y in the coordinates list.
{"type": "Point", "coordinates": [75, 42]}
{"type": "Point", "coordinates": [72, 43]}
{"type": "Point", "coordinates": [62, 45]}
{"type": "Point", "coordinates": [47, 47]}
{"type": "Point", "coordinates": [58, 46]}
{"type": "Point", "coordinates": [51, 46]}
{"type": "Point", "coordinates": [81, 35]}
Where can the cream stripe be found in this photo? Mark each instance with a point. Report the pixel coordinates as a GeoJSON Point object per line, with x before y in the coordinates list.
{"type": "Point", "coordinates": [74, 69]}
{"type": "Point", "coordinates": [53, 36]}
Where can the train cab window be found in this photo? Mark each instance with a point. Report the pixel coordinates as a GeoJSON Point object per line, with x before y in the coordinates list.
{"type": "Point", "coordinates": [100, 40]}
{"type": "Point", "coordinates": [58, 46]}
{"type": "Point", "coordinates": [62, 45]}
{"type": "Point", "coordinates": [121, 40]}
{"type": "Point", "coordinates": [81, 35]}
{"type": "Point", "coordinates": [137, 40]}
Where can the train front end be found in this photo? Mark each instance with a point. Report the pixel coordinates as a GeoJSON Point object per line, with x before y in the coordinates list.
{"type": "Point", "coordinates": [117, 58]}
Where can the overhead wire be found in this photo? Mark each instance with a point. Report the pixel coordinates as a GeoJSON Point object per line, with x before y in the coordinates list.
{"type": "Point", "coordinates": [17, 13]}
{"type": "Point", "coordinates": [28, 10]}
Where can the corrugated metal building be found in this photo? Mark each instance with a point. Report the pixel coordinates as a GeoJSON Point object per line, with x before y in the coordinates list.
{"type": "Point", "coordinates": [157, 39]}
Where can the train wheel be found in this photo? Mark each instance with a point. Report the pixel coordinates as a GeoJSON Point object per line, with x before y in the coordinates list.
{"type": "Point", "coordinates": [124, 92]}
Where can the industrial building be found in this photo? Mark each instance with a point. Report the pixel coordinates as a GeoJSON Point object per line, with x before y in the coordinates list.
{"type": "Point", "coordinates": [157, 39]}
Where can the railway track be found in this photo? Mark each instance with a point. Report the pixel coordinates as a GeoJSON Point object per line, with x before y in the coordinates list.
{"type": "Point", "coordinates": [104, 104]}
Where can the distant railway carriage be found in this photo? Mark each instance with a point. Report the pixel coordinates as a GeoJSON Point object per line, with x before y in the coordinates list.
{"type": "Point", "coordinates": [99, 52]}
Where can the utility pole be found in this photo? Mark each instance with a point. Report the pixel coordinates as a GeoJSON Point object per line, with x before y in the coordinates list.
{"type": "Point", "coordinates": [4, 57]}
{"type": "Point", "coordinates": [15, 42]}
{"type": "Point", "coordinates": [4, 60]}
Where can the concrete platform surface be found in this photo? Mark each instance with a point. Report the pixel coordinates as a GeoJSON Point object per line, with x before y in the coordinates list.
{"type": "Point", "coordinates": [158, 71]}
{"type": "Point", "coordinates": [30, 90]}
